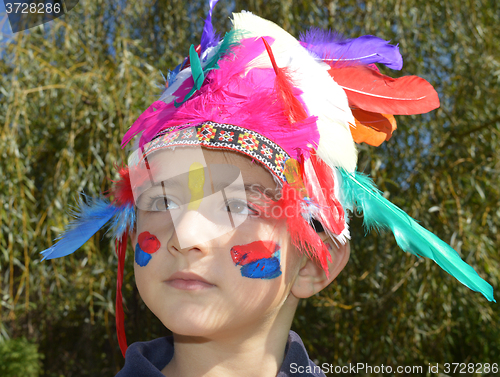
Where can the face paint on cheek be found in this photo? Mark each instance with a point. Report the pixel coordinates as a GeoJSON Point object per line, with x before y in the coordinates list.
{"type": "Point", "coordinates": [141, 258]}
{"type": "Point", "coordinates": [147, 244]}
{"type": "Point", "coordinates": [259, 259]}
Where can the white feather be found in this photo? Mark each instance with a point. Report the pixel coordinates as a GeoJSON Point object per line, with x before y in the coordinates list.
{"type": "Point", "coordinates": [168, 95]}
{"type": "Point", "coordinates": [321, 94]}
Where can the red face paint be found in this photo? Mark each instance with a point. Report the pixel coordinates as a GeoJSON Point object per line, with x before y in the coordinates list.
{"type": "Point", "coordinates": [148, 242]}
{"type": "Point", "coordinates": [244, 254]}
{"type": "Point", "coordinates": [258, 260]}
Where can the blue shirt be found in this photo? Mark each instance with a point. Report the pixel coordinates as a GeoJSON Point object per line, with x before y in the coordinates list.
{"type": "Point", "coordinates": [147, 359]}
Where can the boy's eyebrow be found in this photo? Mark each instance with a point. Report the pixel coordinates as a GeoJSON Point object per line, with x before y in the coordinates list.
{"type": "Point", "coordinates": [249, 188]}
{"type": "Point", "coordinates": [230, 187]}
{"type": "Point", "coordinates": [170, 182]}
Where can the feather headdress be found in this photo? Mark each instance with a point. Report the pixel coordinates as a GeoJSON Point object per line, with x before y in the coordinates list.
{"type": "Point", "coordinates": [312, 100]}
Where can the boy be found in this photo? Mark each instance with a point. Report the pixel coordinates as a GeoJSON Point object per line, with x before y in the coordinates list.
{"type": "Point", "coordinates": [227, 319]}
{"type": "Point", "coordinates": [235, 196]}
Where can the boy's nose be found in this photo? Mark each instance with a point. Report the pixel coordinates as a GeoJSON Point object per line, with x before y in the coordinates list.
{"type": "Point", "coordinates": [194, 229]}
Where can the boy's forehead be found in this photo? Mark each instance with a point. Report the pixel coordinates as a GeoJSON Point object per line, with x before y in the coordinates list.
{"type": "Point", "coordinates": [168, 163]}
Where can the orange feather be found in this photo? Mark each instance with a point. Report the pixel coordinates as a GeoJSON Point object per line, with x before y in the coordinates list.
{"type": "Point", "coordinates": [372, 128]}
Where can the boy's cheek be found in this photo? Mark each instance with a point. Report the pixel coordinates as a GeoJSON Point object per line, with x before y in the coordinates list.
{"type": "Point", "coordinates": [258, 260]}
{"type": "Point", "coordinates": [147, 244]}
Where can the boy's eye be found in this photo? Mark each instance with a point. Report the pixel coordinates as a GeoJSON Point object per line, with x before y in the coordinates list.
{"type": "Point", "coordinates": [162, 203]}
{"type": "Point", "coordinates": [239, 207]}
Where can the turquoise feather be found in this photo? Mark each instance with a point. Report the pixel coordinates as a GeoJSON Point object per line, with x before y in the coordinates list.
{"type": "Point", "coordinates": [228, 43]}
{"type": "Point", "coordinates": [198, 72]}
{"type": "Point", "coordinates": [360, 193]}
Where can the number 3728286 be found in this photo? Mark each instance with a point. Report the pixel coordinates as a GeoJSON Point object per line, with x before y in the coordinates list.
{"type": "Point", "coordinates": [32, 8]}
{"type": "Point", "coordinates": [470, 368]}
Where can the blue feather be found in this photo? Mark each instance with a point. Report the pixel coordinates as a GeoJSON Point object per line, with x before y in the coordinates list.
{"type": "Point", "coordinates": [122, 221]}
{"type": "Point", "coordinates": [172, 75]}
{"type": "Point", "coordinates": [89, 219]}
{"type": "Point", "coordinates": [359, 193]}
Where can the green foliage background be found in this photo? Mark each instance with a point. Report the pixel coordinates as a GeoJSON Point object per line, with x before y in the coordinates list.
{"type": "Point", "coordinates": [70, 89]}
{"type": "Point", "coordinates": [19, 357]}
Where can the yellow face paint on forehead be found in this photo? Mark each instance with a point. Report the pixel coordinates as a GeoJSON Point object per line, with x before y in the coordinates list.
{"type": "Point", "coordinates": [196, 182]}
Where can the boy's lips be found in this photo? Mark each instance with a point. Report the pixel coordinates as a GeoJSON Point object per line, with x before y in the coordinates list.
{"type": "Point", "coordinates": [188, 281]}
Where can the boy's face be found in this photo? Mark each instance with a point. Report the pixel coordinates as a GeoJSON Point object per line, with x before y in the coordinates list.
{"type": "Point", "coordinates": [205, 263]}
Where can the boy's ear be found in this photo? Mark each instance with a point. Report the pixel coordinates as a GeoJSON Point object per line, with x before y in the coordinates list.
{"type": "Point", "coordinates": [311, 278]}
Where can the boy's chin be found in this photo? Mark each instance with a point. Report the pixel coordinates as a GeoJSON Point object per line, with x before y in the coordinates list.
{"type": "Point", "coordinates": [215, 328]}
{"type": "Point", "coordinates": [186, 331]}
{"type": "Point", "coordinates": [193, 327]}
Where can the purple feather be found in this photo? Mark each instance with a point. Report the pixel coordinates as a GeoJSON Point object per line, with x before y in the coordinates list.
{"type": "Point", "coordinates": [209, 38]}
{"type": "Point", "coordinates": [333, 48]}
{"type": "Point", "coordinates": [90, 218]}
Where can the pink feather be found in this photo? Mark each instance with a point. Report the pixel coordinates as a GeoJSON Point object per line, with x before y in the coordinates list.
{"type": "Point", "coordinates": [156, 114]}
{"type": "Point", "coordinates": [240, 94]}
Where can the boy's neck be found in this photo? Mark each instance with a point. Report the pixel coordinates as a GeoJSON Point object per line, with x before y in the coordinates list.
{"type": "Point", "coordinates": [256, 354]}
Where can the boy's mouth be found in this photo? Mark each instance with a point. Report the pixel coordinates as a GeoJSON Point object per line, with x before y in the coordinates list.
{"type": "Point", "coordinates": [188, 281]}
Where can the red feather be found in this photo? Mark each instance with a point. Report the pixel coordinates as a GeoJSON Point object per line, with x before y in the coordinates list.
{"type": "Point", "coordinates": [122, 189]}
{"type": "Point", "coordinates": [372, 128]}
{"type": "Point", "coordinates": [320, 183]}
{"type": "Point", "coordinates": [121, 248]}
{"type": "Point", "coordinates": [372, 91]}
{"type": "Point", "coordinates": [292, 107]}
{"type": "Point", "coordinates": [289, 208]}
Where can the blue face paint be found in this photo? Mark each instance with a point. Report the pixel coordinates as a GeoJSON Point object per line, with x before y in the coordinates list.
{"type": "Point", "coordinates": [141, 258]}
{"type": "Point", "coordinates": [147, 244]}
{"type": "Point", "coordinates": [268, 268]}
{"type": "Point", "coordinates": [259, 260]}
